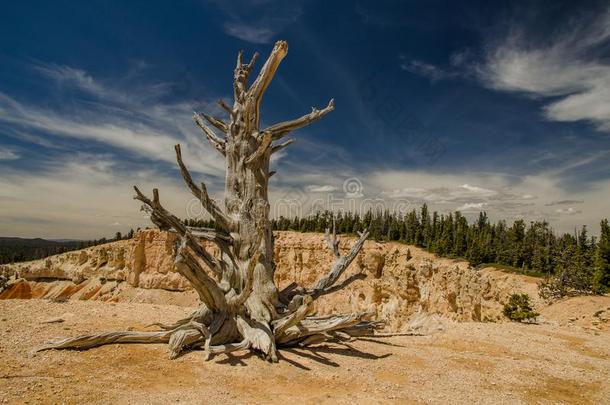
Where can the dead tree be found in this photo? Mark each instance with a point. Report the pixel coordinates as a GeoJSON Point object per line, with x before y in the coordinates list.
{"type": "Point", "coordinates": [241, 307]}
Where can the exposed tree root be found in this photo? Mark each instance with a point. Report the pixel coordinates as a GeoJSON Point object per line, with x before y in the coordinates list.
{"type": "Point", "coordinates": [106, 338]}
{"type": "Point", "coordinates": [251, 335]}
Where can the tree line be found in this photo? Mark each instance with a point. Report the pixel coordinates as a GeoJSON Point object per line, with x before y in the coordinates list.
{"type": "Point", "coordinates": [13, 250]}
{"type": "Point", "coordinates": [571, 263]}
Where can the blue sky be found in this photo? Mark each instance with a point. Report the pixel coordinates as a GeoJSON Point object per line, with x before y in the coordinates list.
{"type": "Point", "coordinates": [502, 107]}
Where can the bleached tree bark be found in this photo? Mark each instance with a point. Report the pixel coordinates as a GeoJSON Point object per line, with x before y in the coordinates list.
{"type": "Point", "coordinates": [241, 307]}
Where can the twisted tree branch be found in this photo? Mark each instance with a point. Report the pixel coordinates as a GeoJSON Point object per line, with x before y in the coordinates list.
{"type": "Point", "coordinates": [209, 291]}
{"type": "Point", "coordinates": [268, 70]}
{"type": "Point", "coordinates": [279, 147]}
{"type": "Point", "coordinates": [261, 149]}
{"type": "Point", "coordinates": [225, 107]}
{"type": "Point", "coordinates": [262, 81]}
{"type": "Point", "coordinates": [171, 221]}
{"type": "Point", "coordinates": [215, 141]}
{"type": "Point", "coordinates": [283, 128]}
{"type": "Point", "coordinates": [202, 194]}
{"type": "Point", "coordinates": [325, 284]}
{"type": "Point", "coordinates": [216, 122]}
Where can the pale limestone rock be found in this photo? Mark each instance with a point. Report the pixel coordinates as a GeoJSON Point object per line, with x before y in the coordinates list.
{"type": "Point", "coordinates": [403, 292]}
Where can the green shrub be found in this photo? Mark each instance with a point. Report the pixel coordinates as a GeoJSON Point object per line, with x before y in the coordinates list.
{"type": "Point", "coordinates": [568, 283]}
{"type": "Point", "coordinates": [519, 309]}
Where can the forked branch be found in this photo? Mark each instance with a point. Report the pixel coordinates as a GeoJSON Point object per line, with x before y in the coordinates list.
{"type": "Point", "coordinates": [225, 107]}
{"type": "Point", "coordinates": [209, 292]}
{"type": "Point", "coordinates": [170, 221]}
{"type": "Point", "coordinates": [256, 91]}
{"type": "Point", "coordinates": [280, 146]}
{"type": "Point", "coordinates": [281, 129]}
{"type": "Point", "coordinates": [325, 284]}
{"type": "Point", "coordinates": [215, 141]}
{"type": "Point", "coordinates": [210, 234]}
{"type": "Point", "coordinates": [263, 145]}
{"type": "Point", "coordinates": [202, 194]}
{"type": "Point", "coordinates": [216, 122]}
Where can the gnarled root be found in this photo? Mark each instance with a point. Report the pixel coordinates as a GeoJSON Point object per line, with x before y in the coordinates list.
{"type": "Point", "coordinates": [106, 338]}
{"type": "Point", "coordinates": [221, 334]}
{"type": "Point", "coordinates": [223, 324]}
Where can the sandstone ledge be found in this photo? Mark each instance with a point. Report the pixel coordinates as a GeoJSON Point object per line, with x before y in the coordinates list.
{"type": "Point", "coordinates": [397, 289]}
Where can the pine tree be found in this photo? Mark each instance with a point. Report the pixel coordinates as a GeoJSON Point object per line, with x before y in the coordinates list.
{"type": "Point", "coordinates": [601, 265]}
{"type": "Point", "coordinates": [426, 227]}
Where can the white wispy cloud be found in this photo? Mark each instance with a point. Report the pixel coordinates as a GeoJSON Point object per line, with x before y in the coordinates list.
{"type": "Point", "coordinates": [503, 197]}
{"type": "Point", "coordinates": [125, 119]}
{"type": "Point", "coordinates": [483, 192]}
{"type": "Point", "coordinates": [320, 189]}
{"type": "Point", "coordinates": [472, 207]}
{"type": "Point", "coordinates": [8, 154]}
{"type": "Point", "coordinates": [73, 77]}
{"type": "Point", "coordinates": [82, 196]}
{"type": "Point", "coordinates": [444, 194]}
{"type": "Point", "coordinates": [564, 202]}
{"type": "Point", "coordinates": [143, 141]}
{"type": "Point", "coordinates": [249, 33]}
{"type": "Point", "coordinates": [258, 22]}
{"type": "Point", "coordinates": [74, 193]}
{"type": "Point", "coordinates": [532, 197]}
{"type": "Point", "coordinates": [428, 70]}
{"type": "Point", "coordinates": [569, 66]}
{"type": "Point", "coordinates": [567, 211]}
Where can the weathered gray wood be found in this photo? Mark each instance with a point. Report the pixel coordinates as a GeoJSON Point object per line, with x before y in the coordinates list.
{"type": "Point", "coordinates": [106, 338]}
{"type": "Point", "coordinates": [215, 141]}
{"type": "Point", "coordinates": [278, 147]}
{"type": "Point", "coordinates": [283, 128]}
{"type": "Point", "coordinates": [202, 194]}
{"type": "Point", "coordinates": [216, 122]}
{"type": "Point", "coordinates": [325, 284]}
{"type": "Point", "coordinates": [241, 307]}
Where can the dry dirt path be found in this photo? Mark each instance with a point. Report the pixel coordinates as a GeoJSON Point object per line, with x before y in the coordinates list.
{"type": "Point", "coordinates": [470, 362]}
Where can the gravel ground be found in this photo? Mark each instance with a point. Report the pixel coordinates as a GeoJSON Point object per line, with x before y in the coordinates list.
{"type": "Point", "coordinates": [469, 362]}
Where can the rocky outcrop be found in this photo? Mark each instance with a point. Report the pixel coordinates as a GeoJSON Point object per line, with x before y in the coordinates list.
{"type": "Point", "coordinates": [146, 261]}
{"type": "Point", "coordinates": [402, 283]}
{"type": "Point", "coordinates": [140, 270]}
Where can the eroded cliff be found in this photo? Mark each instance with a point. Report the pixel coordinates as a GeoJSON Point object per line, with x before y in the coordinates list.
{"type": "Point", "coordinates": [401, 284]}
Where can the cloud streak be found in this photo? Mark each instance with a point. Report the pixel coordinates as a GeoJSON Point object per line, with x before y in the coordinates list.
{"type": "Point", "coordinates": [569, 66]}
{"type": "Point", "coordinates": [427, 70]}
{"type": "Point", "coordinates": [121, 119]}
{"type": "Point", "coordinates": [320, 189]}
{"type": "Point", "coordinates": [98, 194]}
{"type": "Point", "coordinates": [249, 33]}
{"type": "Point", "coordinates": [258, 22]}
{"type": "Point", "coordinates": [8, 154]}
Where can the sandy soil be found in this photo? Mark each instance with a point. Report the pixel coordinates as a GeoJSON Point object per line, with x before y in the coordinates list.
{"type": "Point", "coordinates": [469, 362]}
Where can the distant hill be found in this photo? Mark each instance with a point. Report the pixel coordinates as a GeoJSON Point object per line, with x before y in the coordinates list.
{"type": "Point", "coordinates": [13, 250]}
{"type": "Point", "coordinates": [23, 249]}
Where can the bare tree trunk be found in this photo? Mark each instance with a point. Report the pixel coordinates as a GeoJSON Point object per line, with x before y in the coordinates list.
{"type": "Point", "coordinates": [241, 307]}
